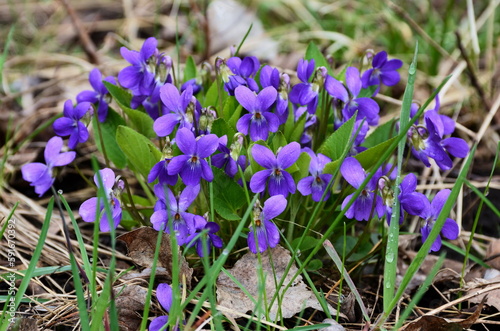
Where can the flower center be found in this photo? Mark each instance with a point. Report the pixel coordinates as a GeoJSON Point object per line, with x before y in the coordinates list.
{"type": "Point", "coordinates": [177, 216]}
{"type": "Point", "coordinates": [194, 159]}
{"type": "Point", "coordinates": [318, 180]}
{"type": "Point", "coordinates": [277, 172]}
{"type": "Point", "coordinates": [258, 115]}
{"type": "Point", "coordinates": [258, 223]}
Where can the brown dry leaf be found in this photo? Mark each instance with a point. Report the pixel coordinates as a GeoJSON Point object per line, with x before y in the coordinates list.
{"type": "Point", "coordinates": [492, 257]}
{"type": "Point", "coordinates": [436, 323]}
{"type": "Point", "coordinates": [433, 323]}
{"type": "Point", "coordinates": [131, 299]}
{"type": "Point", "coordinates": [493, 297]}
{"type": "Point", "coordinates": [296, 298]}
{"type": "Point", "coordinates": [141, 244]}
{"type": "Point", "coordinates": [24, 324]}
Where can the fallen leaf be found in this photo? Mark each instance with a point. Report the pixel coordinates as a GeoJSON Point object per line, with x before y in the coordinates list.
{"type": "Point", "coordinates": [493, 296]}
{"type": "Point", "coordinates": [141, 244]}
{"type": "Point", "coordinates": [334, 326]}
{"type": "Point", "coordinates": [433, 323]}
{"type": "Point", "coordinates": [492, 257]}
{"type": "Point", "coordinates": [245, 271]}
{"type": "Point", "coordinates": [130, 301]}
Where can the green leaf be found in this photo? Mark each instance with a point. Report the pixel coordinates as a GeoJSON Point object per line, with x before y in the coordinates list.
{"type": "Point", "coordinates": [212, 96]}
{"type": "Point", "coordinates": [230, 196]}
{"type": "Point", "coordinates": [367, 92]}
{"type": "Point", "coordinates": [140, 121]}
{"type": "Point", "coordinates": [314, 265]}
{"type": "Point", "coordinates": [307, 244]}
{"type": "Point", "coordinates": [369, 157]}
{"type": "Point", "coordinates": [297, 128]}
{"type": "Point", "coordinates": [189, 69]}
{"type": "Point", "coordinates": [382, 133]}
{"type": "Point", "coordinates": [119, 94]}
{"type": "Point", "coordinates": [303, 166]}
{"type": "Point", "coordinates": [277, 141]}
{"type": "Point", "coordinates": [108, 131]}
{"type": "Point", "coordinates": [313, 52]}
{"type": "Point", "coordinates": [231, 111]}
{"type": "Point", "coordinates": [335, 145]}
{"type": "Point", "coordinates": [140, 151]}
{"type": "Point", "coordinates": [221, 128]}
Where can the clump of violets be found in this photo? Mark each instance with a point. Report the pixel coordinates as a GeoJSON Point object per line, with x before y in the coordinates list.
{"type": "Point", "coordinates": [306, 93]}
{"type": "Point", "coordinates": [430, 213]}
{"type": "Point", "coordinates": [237, 72]}
{"type": "Point", "coordinates": [41, 175]}
{"type": "Point", "coordinates": [264, 233]}
{"type": "Point", "coordinates": [70, 124]}
{"type": "Point", "coordinates": [279, 180]}
{"type": "Point", "coordinates": [94, 208]}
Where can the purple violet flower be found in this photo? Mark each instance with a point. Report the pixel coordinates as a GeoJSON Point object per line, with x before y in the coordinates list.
{"type": "Point", "coordinates": [139, 76]}
{"type": "Point", "coordinates": [354, 174]}
{"type": "Point", "coordinates": [175, 105]}
{"type": "Point", "coordinates": [450, 228]}
{"type": "Point", "coordinates": [427, 143]}
{"type": "Point", "coordinates": [280, 181]}
{"type": "Point", "coordinates": [260, 121]}
{"type": "Point", "coordinates": [240, 73]}
{"type": "Point", "coordinates": [412, 202]}
{"type": "Point", "coordinates": [160, 169]}
{"type": "Point", "coordinates": [203, 233]}
{"type": "Point", "coordinates": [112, 187]}
{"type": "Point", "coordinates": [192, 166]}
{"type": "Point", "coordinates": [164, 296]}
{"type": "Point", "coordinates": [70, 125]}
{"type": "Point", "coordinates": [281, 82]}
{"type": "Point", "coordinates": [265, 231]}
{"type": "Point", "coordinates": [317, 183]}
{"type": "Point", "coordinates": [228, 159]}
{"type": "Point", "coordinates": [366, 107]}
{"type": "Point", "coordinates": [174, 210]}
{"type": "Point", "coordinates": [306, 93]}
{"type": "Point", "coordinates": [383, 72]}
{"type": "Point", "coordinates": [40, 175]}
{"type": "Point", "coordinates": [99, 95]}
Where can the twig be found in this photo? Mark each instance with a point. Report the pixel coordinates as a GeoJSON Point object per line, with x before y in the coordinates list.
{"type": "Point", "coordinates": [87, 43]}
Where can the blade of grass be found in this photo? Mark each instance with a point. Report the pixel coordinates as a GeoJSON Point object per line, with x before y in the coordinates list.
{"type": "Point", "coordinates": [340, 266]}
{"type": "Point", "coordinates": [391, 258]}
{"type": "Point", "coordinates": [5, 51]}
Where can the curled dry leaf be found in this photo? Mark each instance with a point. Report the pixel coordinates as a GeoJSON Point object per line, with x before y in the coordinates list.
{"type": "Point", "coordinates": [130, 301]}
{"type": "Point", "coordinates": [141, 244]}
{"type": "Point", "coordinates": [294, 300]}
{"type": "Point", "coordinates": [436, 323]}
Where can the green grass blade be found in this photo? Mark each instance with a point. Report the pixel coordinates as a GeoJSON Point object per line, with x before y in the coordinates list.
{"type": "Point", "coordinates": [391, 260]}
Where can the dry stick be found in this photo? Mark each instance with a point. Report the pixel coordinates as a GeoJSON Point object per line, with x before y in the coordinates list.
{"type": "Point", "coordinates": [87, 43]}
{"type": "Point", "coordinates": [472, 72]}
{"type": "Point", "coordinates": [464, 298]}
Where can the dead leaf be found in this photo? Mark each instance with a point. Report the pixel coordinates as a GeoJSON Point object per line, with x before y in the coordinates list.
{"type": "Point", "coordinates": [141, 244]}
{"type": "Point", "coordinates": [436, 323]}
{"type": "Point", "coordinates": [334, 325]}
{"type": "Point", "coordinates": [433, 323]}
{"type": "Point", "coordinates": [130, 300]}
{"type": "Point", "coordinates": [492, 257]}
{"type": "Point", "coordinates": [296, 298]}
{"type": "Point", "coordinates": [493, 297]}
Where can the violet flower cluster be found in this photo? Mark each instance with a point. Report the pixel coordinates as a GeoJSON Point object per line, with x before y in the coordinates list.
{"type": "Point", "coordinates": [265, 133]}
